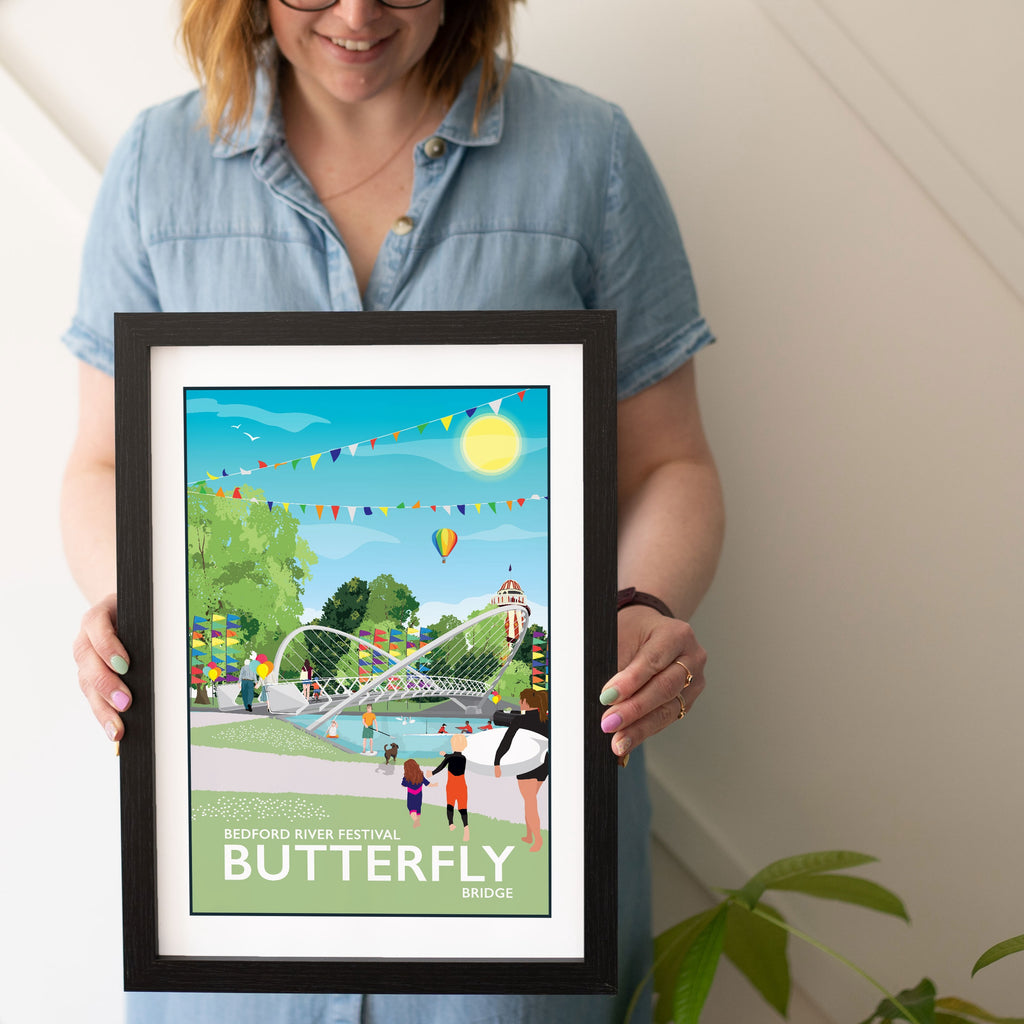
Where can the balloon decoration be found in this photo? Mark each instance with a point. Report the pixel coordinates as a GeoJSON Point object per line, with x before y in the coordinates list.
{"type": "Point", "coordinates": [261, 658]}
{"type": "Point", "coordinates": [264, 668]}
{"type": "Point", "coordinates": [213, 672]}
{"type": "Point", "coordinates": [444, 541]}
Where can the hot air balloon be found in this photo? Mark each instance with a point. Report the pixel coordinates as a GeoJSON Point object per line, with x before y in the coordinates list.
{"type": "Point", "coordinates": [444, 540]}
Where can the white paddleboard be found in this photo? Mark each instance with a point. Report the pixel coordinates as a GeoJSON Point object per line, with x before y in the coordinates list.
{"type": "Point", "coordinates": [527, 751]}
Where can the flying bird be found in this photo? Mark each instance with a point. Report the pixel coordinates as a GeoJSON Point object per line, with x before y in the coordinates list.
{"type": "Point", "coordinates": [248, 435]}
{"type": "Point", "coordinates": [236, 426]}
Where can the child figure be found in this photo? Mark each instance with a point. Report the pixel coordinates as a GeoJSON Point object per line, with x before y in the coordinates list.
{"type": "Point", "coordinates": [455, 788]}
{"type": "Point", "coordinates": [414, 783]}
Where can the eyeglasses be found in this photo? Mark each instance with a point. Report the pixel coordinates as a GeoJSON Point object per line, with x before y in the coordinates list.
{"type": "Point", "coordinates": [319, 5]}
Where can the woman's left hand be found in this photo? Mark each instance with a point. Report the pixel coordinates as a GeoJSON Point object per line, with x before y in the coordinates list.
{"type": "Point", "coordinates": [651, 689]}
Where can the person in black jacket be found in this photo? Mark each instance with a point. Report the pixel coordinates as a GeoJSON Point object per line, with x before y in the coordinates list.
{"type": "Point", "coordinates": [534, 718]}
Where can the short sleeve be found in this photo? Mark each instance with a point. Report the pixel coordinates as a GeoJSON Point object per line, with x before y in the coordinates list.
{"type": "Point", "coordinates": [643, 272]}
{"type": "Point", "coordinates": [115, 274]}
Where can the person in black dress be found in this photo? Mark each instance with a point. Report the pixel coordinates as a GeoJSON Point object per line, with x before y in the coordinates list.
{"type": "Point", "coordinates": [534, 707]}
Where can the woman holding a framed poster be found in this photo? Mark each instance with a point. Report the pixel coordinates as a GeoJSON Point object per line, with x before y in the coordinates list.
{"type": "Point", "coordinates": [363, 155]}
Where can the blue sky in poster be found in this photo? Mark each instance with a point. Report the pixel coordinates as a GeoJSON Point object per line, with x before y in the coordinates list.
{"type": "Point", "coordinates": [487, 457]}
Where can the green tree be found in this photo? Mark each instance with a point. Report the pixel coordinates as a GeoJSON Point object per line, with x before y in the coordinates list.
{"type": "Point", "coordinates": [392, 602]}
{"type": "Point", "coordinates": [345, 609]}
{"type": "Point", "coordinates": [247, 558]}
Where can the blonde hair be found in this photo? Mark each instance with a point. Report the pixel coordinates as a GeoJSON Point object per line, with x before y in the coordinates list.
{"type": "Point", "coordinates": [228, 41]}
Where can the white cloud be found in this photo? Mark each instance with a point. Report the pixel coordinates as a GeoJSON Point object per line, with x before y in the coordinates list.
{"type": "Point", "coordinates": [431, 611]}
{"type": "Point", "coordinates": [504, 532]}
{"type": "Point", "coordinates": [329, 540]}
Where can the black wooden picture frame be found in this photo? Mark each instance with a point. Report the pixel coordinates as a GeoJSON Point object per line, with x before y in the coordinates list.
{"type": "Point", "coordinates": [162, 359]}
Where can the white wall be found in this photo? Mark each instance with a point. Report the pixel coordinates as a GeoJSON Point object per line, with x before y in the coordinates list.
{"type": "Point", "coordinates": [852, 208]}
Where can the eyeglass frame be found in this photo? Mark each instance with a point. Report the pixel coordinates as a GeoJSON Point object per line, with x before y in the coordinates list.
{"type": "Point", "coordinates": [331, 3]}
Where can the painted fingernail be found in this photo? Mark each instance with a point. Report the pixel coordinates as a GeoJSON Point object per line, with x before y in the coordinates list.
{"type": "Point", "coordinates": [118, 664]}
{"type": "Point", "coordinates": [609, 695]}
{"type": "Point", "coordinates": [119, 699]}
{"type": "Point", "coordinates": [111, 730]}
{"type": "Point", "coordinates": [610, 723]}
{"type": "Point", "coordinates": [622, 747]}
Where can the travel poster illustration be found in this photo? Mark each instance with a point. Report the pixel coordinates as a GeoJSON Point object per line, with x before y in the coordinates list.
{"type": "Point", "coordinates": [367, 639]}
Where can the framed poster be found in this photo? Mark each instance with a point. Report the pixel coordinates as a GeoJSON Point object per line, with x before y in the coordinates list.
{"type": "Point", "coordinates": [366, 576]}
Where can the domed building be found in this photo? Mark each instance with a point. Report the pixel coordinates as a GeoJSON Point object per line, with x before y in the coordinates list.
{"type": "Point", "coordinates": [510, 593]}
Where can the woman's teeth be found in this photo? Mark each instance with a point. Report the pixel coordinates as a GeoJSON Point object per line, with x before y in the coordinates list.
{"type": "Point", "coordinates": [353, 44]}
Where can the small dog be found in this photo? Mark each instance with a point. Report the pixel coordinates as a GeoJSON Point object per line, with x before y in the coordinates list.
{"type": "Point", "coordinates": [391, 753]}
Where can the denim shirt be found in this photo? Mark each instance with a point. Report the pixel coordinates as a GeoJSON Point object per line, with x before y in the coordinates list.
{"type": "Point", "coordinates": [551, 204]}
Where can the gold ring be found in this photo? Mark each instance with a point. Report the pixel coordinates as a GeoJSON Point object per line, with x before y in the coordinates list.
{"type": "Point", "coordinates": [689, 676]}
{"type": "Point", "coordinates": [682, 706]}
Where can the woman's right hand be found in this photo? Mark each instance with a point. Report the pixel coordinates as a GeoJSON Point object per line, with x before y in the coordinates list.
{"type": "Point", "coordinates": [101, 659]}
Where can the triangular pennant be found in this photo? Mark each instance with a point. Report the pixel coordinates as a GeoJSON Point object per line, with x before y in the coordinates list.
{"type": "Point", "coordinates": [210, 475]}
{"type": "Point", "coordinates": [521, 393]}
{"type": "Point", "coordinates": [223, 472]}
{"type": "Point", "coordinates": [263, 465]}
{"type": "Point", "coordinates": [313, 459]}
{"type": "Point", "coordinates": [335, 509]}
{"type": "Point", "coordinates": [477, 506]}
{"type": "Point", "coordinates": [285, 504]}
{"type": "Point", "coordinates": [351, 513]}
{"type": "Point", "coordinates": [461, 508]}
{"type": "Point", "coordinates": [509, 503]}
{"type": "Point", "coordinates": [447, 421]}
{"type": "Point", "coordinates": [422, 427]}
{"type": "Point", "coordinates": [319, 511]}
{"type": "Point", "coordinates": [335, 452]}
{"type": "Point", "coordinates": [373, 441]}
{"type": "Point", "coordinates": [303, 507]}
{"type": "Point", "coordinates": [220, 492]}
{"type": "Point", "coordinates": [495, 406]}
{"type": "Point", "coordinates": [295, 463]}
{"type": "Point", "coordinates": [270, 506]}
{"type": "Point", "coordinates": [367, 511]}
{"type": "Point", "coordinates": [521, 501]}
{"type": "Point", "coordinates": [447, 509]}
{"type": "Point", "coordinates": [352, 448]}
{"type": "Point", "coordinates": [400, 505]}
{"type": "Point", "coordinates": [278, 465]}
{"type": "Point", "coordinates": [237, 493]}
{"type": "Point", "coordinates": [384, 509]}
{"type": "Point", "coordinates": [469, 412]}
{"type": "Point", "coordinates": [218, 618]}
{"type": "Point", "coordinates": [492, 504]}
{"type": "Point", "coordinates": [395, 434]}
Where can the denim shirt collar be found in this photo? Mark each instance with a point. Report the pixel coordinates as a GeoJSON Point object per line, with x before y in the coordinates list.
{"type": "Point", "coordinates": [266, 126]}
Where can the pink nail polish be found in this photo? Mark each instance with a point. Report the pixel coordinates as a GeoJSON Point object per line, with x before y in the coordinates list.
{"type": "Point", "coordinates": [119, 699]}
{"type": "Point", "coordinates": [610, 723]}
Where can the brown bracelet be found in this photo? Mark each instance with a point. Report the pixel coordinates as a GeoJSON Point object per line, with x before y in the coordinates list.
{"type": "Point", "coordinates": [633, 596]}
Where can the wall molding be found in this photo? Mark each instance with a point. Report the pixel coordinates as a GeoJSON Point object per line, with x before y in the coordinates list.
{"type": "Point", "coordinates": [906, 133]}
{"type": "Point", "coordinates": [32, 131]}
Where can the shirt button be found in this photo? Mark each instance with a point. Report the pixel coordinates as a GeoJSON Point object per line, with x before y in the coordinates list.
{"type": "Point", "coordinates": [402, 226]}
{"type": "Point", "coordinates": [435, 147]}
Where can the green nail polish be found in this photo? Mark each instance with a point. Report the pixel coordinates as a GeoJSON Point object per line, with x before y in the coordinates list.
{"type": "Point", "coordinates": [118, 664]}
{"type": "Point", "coordinates": [609, 695]}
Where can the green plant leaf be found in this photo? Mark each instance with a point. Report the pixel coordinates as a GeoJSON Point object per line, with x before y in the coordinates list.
{"type": "Point", "coordinates": [848, 889]}
{"type": "Point", "coordinates": [948, 1018]}
{"type": "Point", "coordinates": [793, 867]}
{"type": "Point", "coordinates": [758, 949]}
{"type": "Point", "coordinates": [998, 951]}
{"type": "Point", "coordinates": [698, 970]}
{"type": "Point", "coordinates": [962, 1006]}
{"type": "Point", "coordinates": [669, 949]}
{"type": "Point", "coordinates": [920, 1000]}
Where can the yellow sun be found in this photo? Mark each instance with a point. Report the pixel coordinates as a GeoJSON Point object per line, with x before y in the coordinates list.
{"type": "Point", "coordinates": [491, 444]}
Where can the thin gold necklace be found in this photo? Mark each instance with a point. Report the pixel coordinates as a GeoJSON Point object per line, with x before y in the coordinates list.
{"type": "Point", "coordinates": [373, 174]}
